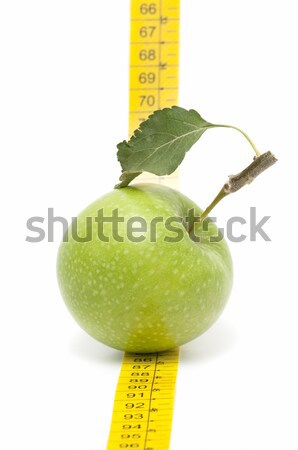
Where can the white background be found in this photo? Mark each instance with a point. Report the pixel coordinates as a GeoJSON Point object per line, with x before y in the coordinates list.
{"type": "Point", "coordinates": [64, 102]}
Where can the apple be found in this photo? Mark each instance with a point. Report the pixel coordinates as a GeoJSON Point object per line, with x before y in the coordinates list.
{"type": "Point", "coordinates": [144, 282]}
{"type": "Point", "coordinates": [142, 269]}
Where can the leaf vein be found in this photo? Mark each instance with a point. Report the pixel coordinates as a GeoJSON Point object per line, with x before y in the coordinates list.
{"type": "Point", "coordinates": [182, 136]}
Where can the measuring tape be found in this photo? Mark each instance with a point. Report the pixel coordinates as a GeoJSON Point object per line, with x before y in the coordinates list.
{"type": "Point", "coordinates": [143, 406]}
{"type": "Point", "coordinates": [154, 64]}
{"type": "Point", "coordinates": [154, 58]}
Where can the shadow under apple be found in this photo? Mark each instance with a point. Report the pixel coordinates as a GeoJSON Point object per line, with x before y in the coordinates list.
{"type": "Point", "coordinates": [85, 347]}
{"type": "Point", "coordinates": [214, 343]}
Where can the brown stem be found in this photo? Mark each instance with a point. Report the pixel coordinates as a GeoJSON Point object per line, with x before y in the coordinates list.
{"type": "Point", "coordinates": [236, 182]}
{"type": "Point", "coordinates": [259, 164]}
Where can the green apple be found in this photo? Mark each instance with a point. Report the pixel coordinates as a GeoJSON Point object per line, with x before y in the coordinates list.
{"type": "Point", "coordinates": [144, 282]}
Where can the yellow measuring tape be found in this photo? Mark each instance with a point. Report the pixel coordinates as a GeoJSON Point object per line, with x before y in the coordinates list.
{"type": "Point", "coordinates": [154, 58]}
{"type": "Point", "coordinates": [143, 406]}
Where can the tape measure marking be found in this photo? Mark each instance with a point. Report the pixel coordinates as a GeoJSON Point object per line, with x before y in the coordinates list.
{"type": "Point", "coordinates": [143, 405]}
{"type": "Point", "coordinates": [154, 58]}
{"type": "Point", "coordinates": [144, 400]}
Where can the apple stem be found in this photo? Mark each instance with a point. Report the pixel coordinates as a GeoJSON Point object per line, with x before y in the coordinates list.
{"type": "Point", "coordinates": [236, 182]}
{"type": "Point", "coordinates": [222, 193]}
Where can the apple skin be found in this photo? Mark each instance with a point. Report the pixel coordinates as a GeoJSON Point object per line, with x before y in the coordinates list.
{"type": "Point", "coordinates": [145, 296]}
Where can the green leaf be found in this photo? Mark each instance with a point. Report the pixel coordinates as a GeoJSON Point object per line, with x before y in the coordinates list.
{"type": "Point", "coordinates": [161, 142]}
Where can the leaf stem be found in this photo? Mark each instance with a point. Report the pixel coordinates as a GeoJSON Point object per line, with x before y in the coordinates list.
{"type": "Point", "coordinates": [243, 134]}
